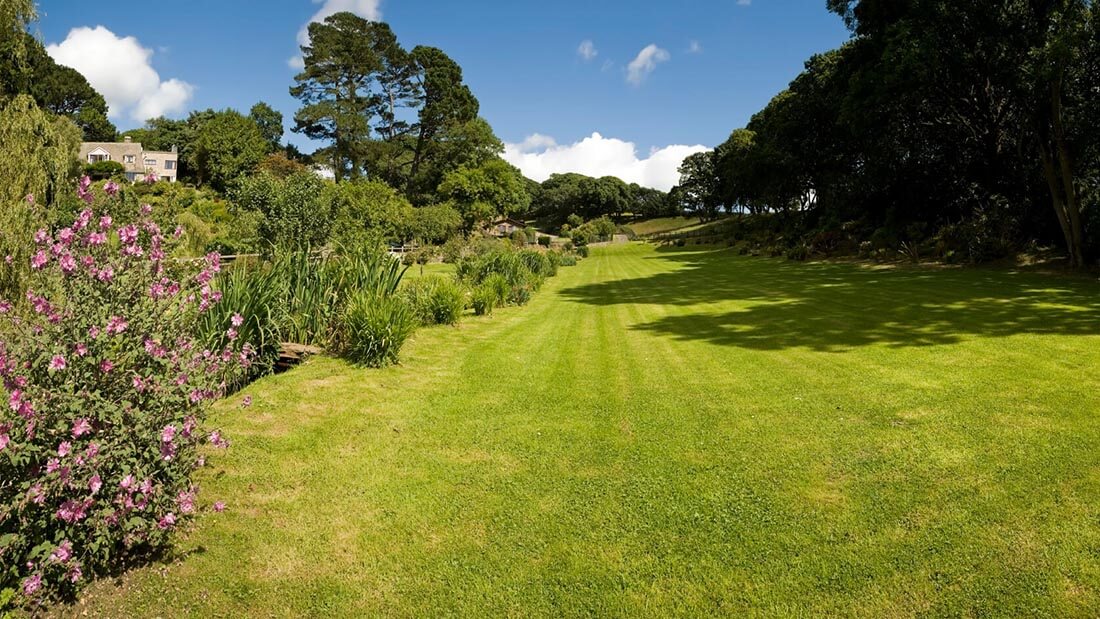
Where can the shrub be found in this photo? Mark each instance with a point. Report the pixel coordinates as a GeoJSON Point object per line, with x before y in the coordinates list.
{"type": "Point", "coordinates": [104, 169]}
{"type": "Point", "coordinates": [538, 263]}
{"type": "Point", "coordinates": [435, 300]}
{"type": "Point", "coordinates": [582, 250]}
{"type": "Point", "coordinates": [376, 328]}
{"type": "Point", "coordinates": [544, 241]}
{"type": "Point", "coordinates": [108, 389]}
{"type": "Point", "coordinates": [499, 286]}
{"type": "Point", "coordinates": [255, 293]}
{"type": "Point", "coordinates": [484, 300]}
{"type": "Point", "coordinates": [568, 260]}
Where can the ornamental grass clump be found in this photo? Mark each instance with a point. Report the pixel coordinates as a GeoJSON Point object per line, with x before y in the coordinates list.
{"type": "Point", "coordinates": [435, 300]}
{"type": "Point", "coordinates": [105, 390]}
{"type": "Point", "coordinates": [375, 328]}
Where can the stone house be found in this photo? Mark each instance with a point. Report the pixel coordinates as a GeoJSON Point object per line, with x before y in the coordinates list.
{"type": "Point", "coordinates": [137, 162]}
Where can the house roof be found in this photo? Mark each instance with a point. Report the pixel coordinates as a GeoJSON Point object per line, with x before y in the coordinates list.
{"type": "Point", "coordinates": [509, 220]}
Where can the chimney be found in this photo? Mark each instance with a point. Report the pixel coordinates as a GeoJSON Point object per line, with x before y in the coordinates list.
{"type": "Point", "coordinates": [127, 139]}
{"type": "Point", "coordinates": [173, 148]}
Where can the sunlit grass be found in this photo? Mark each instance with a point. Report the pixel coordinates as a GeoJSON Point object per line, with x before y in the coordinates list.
{"type": "Point", "coordinates": [674, 433]}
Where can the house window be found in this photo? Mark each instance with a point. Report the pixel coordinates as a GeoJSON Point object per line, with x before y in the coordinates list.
{"type": "Point", "coordinates": [169, 164]}
{"type": "Point", "coordinates": [98, 158]}
{"type": "Point", "coordinates": [152, 163]}
{"type": "Point", "coordinates": [128, 158]}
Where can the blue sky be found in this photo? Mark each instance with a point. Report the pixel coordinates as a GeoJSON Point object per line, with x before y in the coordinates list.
{"type": "Point", "coordinates": [520, 58]}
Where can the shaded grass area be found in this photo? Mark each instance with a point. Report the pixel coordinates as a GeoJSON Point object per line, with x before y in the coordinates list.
{"type": "Point", "coordinates": [660, 225]}
{"type": "Point", "coordinates": [674, 432]}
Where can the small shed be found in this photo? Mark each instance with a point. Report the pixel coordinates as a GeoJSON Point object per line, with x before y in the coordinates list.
{"type": "Point", "coordinates": [504, 228]}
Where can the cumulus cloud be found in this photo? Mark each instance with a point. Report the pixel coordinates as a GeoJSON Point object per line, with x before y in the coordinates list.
{"type": "Point", "coordinates": [119, 68]}
{"type": "Point", "coordinates": [587, 50]}
{"type": "Point", "coordinates": [695, 47]}
{"type": "Point", "coordinates": [367, 9]}
{"type": "Point", "coordinates": [539, 156]}
{"type": "Point", "coordinates": [645, 63]}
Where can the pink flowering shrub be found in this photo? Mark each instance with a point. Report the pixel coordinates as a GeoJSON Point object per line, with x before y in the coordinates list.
{"type": "Point", "coordinates": [105, 388]}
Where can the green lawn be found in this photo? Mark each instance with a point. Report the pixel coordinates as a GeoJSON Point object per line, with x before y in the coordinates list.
{"type": "Point", "coordinates": [674, 432]}
{"type": "Point", "coordinates": [417, 271]}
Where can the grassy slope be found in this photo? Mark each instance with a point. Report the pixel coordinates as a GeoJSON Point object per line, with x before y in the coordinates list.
{"type": "Point", "coordinates": [675, 433]}
{"type": "Point", "coordinates": [663, 224]}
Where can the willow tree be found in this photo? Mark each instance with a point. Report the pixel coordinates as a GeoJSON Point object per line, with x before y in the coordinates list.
{"type": "Point", "coordinates": [40, 156]}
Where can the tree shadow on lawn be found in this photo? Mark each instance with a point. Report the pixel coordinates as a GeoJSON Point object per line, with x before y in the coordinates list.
{"type": "Point", "coordinates": [830, 306]}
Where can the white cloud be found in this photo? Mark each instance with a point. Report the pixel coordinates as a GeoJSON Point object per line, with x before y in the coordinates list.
{"type": "Point", "coordinates": [744, 2]}
{"type": "Point", "coordinates": [367, 9]}
{"type": "Point", "coordinates": [119, 68]}
{"type": "Point", "coordinates": [645, 63]}
{"type": "Point", "coordinates": [695, 47]}
{"type": "Point", "coordinates": [539, 156]}
{"type": "Point", "coordinates": [587, 50]}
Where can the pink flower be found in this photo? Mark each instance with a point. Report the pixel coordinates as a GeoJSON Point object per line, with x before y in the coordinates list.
{"type": "Point", "coordinates": [106, 366]}
{"type": "Point", "coordinates": [4, 440]}
{"type": "Point", "coordinates": [147, 208]}
{"type": "Point", "coordinates": [81, 427]}
{"type": "Point", "coordinates": [168, 434]}
{"type": "Point", "coordinates": [93, 332]}
{"type": "Point", "coordinates": [231, 334]}
{"type": "Point", "coordinates": [66, 236]}
{"type": "Point", "coordinates": [178, 233]}
{"type": "Point", "coordinates": [111, 189]}
{"type": "Point", "coordinates": [106, 221]}
{"type": "Point", "coordinates": [73, 511]}
{"type": "Point", "coordinates": [167, 521]}
{"type": "Point", "coordinates": [15, 399]}
{"type": "Point", "coordinates": [39, 260]}
{"type": "Point", "coordinates": [237, 320]}
{"type": "Point", "coordinates": [117, 325]}
{"type": "Point", "coordinates": [219, 507]}
{"type": "Point", "coordinates": [247, 401]}
{"type": "Point", "coordinates": [64, 449]}
{"type": "Point", "coordinates": [92, 451]}
{"type": "Point", "coordinates": [128, 234]}
{"type": "Point", "coordinates": [95, 483]}
{"type": "Point", "coordinates": [31, 585]}
{"type": "Point", "coordinates": [127, 482]}
{"type": "Point", "coordinates": [81, 349]}
{"type": "Point", "coordinates": [96, 238]}
{"type": "Point", "coordinates": [62, 553]}
{"type": "Point", "coordinates": [217, 440]}
{"type": "Point", "coordinates": [139, 384]}
{"type": "Point", "coordinates": [57, 363]}
{"type": "Point", "coordinates": [53, 465]}
{"type": "Point", "coordinates": [74, 573]}
{"type": "Point", "coordinates": [37, 494]}
{"type": "Point", "coordinates": [30, 198]}
{"type": "Point", "coordinates": [147, 487]}
{"type": "Point", "coordinates": [186, 501]}
{"type": "Point", "coordinates": [105, 274]}
{"type": "Point", "coordinates": [41, 237]}
{"type": "Point", "coordinates": [68, 263]}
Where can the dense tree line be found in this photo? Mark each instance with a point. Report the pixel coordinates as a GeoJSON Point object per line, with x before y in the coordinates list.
{"type": "Point", "coordinates": [586, 197]}
{"type": "Point", "coordinates": [965, 123]}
